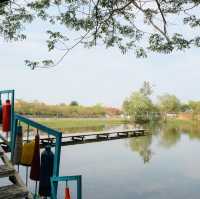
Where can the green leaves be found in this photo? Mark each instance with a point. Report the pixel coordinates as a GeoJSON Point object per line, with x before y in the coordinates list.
{"type": "Point", "coordinates": [37, 64]}
{"type": "Point", "coordinates": [55, 38]}
{"type": "Point", "coordinates": [126, 24]}
{"type": "Point", "coordinates": [157, 43]}
{"type": "Point", "coordinates": [138, 105]}
{"type": "Point", "coordinates": [169, 103]}
{"type": "Point", "coordinates": [193, 21]}
{"type": "Point", "coordinates": [12, 20]}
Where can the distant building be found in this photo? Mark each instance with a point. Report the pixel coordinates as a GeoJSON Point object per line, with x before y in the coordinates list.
{"type": "Point", "coordinates": [171, 115]}
{"type": "Point", "coordinates": [185, 116]}
{"type": "Point", "coordinates": [112, 112]}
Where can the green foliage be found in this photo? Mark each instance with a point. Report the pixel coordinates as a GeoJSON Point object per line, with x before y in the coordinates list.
{"type": "Point", "coordinates": [185, 107]}
{"type": "Point", "coordinates": [112, 23]}
{"type": "Point", "coordinates": [138, 106]}
{"type": "Point", "coordinates": [12, 20]}
{"type": "Point", "coordinates": [169, 103]}
{"type": "Point", "coordinates": [194, 106]}
{"type": "Point", "coordinates": [74, 103]}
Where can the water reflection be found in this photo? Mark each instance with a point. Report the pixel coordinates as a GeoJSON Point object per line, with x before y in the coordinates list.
{"type": "Point", "coordinates": [169, 136]}
{"type": "Point", "coordinates": [192, 130]}
{"type": "Point", "coordinates": [162, 165]}
{"type": "Point", "coordinates": [142, 145]}
{"type": "Point", "coordinates": [174, 130]}
{"type": "Point", "coordinates": [158, 166]}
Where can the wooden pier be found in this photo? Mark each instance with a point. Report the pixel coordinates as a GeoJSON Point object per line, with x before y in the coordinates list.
{"type": "Point", "coordinates": [82, 138]}
{"type": "Point", "coordinates": [15, 190]}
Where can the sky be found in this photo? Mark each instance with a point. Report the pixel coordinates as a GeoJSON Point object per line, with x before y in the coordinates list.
{"type": "Point", "coordinates": [96, 75]}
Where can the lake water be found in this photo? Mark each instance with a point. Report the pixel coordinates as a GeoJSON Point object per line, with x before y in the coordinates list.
{"type": "Point", "coordinates": [163, 165]}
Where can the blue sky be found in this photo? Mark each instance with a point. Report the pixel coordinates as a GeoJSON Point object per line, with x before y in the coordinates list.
{"type": "Point", "coordinates": [95, 75]}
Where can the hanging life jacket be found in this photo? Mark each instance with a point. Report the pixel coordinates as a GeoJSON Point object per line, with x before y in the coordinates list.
{"type": "Point", "coordinates": [67, 193]}
{"type": "Point", "coordinates": [27, 153]}
{"type": "Point", "coordinates": [46, 172]}
{"type": "Point", "coordinates": [18, 146]}
{"type": "Point", "coordinates": [35, 165]}
{"type": "Point", "coordinates": [1, 113]}
{"type": "Point", "coordinates": [6, 111]}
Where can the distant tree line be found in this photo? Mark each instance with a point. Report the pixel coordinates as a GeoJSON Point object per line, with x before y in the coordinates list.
{"type": "Point", "coordinates": [40, 109]}
{"type": "Point", "coordinates": [139, 105]}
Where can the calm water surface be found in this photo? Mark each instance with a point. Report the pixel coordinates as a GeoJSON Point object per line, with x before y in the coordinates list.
{"type": "Point", "coordinates": [163, 165]}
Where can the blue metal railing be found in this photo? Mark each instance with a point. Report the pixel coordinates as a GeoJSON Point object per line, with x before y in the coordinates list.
{"type": "Point", "coordinates": [15, 120]}
{"type": "Point", "coordinates": [44, 129]}
{"type": "Point", "coordinates": [55, 180]}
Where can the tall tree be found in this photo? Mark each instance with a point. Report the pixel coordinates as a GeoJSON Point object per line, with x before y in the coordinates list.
{"type": "Point", "coordinates": [169, 103]}
{"type": "Point", "coordinates": [195, 108]}
{"type": "Point", "coordinates": [109, 22]}
{"type": "Point", "coordinates": [147, 88]}
{"type": "Point", "coordinates": [138, 106]}
{"type": "Point", "coordinates": [74, 103]}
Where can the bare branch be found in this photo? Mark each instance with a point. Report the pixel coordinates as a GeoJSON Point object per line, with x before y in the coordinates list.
{"type": "Point", "coordinates": [151, 21]}
{"type": "Point", "coordinates": [163, 17]}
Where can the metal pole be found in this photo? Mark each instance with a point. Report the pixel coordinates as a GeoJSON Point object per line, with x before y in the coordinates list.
{"type": "Point", "coordinates": [13, 137]}
{"type": "Point", "coordinates": [57, 159]}
{"type": "Point", "coordinates": [12, 116]}
{"type": "Point", "coordinates": [79, 187]}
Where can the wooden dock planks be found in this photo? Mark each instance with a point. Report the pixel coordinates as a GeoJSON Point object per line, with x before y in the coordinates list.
{"type": "Point", "coordinates": [81, 138]}
{"type": "Point", "coordinates": [13, 192]}
{"type": "Point", "coordinates": [6, 171]}
{"type": "Point", "coordinates": [100, 136]}
{"type": "Point", "coordinates": [17, 190]}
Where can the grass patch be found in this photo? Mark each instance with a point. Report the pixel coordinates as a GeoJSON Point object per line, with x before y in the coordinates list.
{"type": "Point", "coordinates": [73, 125]}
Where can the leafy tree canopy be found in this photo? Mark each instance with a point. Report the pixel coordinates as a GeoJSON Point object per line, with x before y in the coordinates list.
{"type": "Point", "coordinates": [138, 103]}
{"type": "Point", "coordinates": [169, 103]}
{"type": "Point", "coordinates": [74, 103]}
{"type": "Point", "coordinates": [194, 106]}
{"type": "Point", "coordinates": [138, 106]}
{"type": "Point", "coordinates": [142, 25]}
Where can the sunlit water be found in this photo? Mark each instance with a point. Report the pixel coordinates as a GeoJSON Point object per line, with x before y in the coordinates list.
{"type": "Point", "coordinates": [164, 165]}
